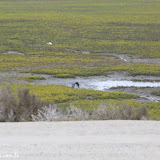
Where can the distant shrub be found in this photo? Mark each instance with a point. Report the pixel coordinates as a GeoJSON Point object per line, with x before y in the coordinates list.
{"type": "Point", "coordinates": [49, 113]}
{"type": "Point", "coordinates": [26, 107]}
{"type": "Point", "coordinates": [52, 113]}
{"type": "Point", "coordinates": [20, 108]}
{"type": "Point", "coordinates": [103, 112]}
{"type": "Point", "coordinates": [74, 113]}
{"type": "Point", "coordinates": [123, 111]}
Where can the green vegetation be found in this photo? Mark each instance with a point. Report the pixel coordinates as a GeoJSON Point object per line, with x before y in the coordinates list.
{"type": "Point", "coordinates": [96, 26]}
{"type": "Point", "coordinates": [133, 69]}
{"type": "Point", "coordinates": [69, 65]}
{"type": "Point", "coordinates": [87, 100]}
{"type": "Point", "coordinates": [64, 76]}
{"type": "Point", "coordinates": [59, 94]}
{"type": "Point", "coordinates": [31, 78]}
{"type": "Point", "coordinates": [130, 27]}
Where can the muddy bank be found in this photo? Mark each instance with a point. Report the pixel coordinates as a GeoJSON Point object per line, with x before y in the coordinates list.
{"type": "Point", "coordinates": [132, 58]}
{"type": "Point", "coordinates": [124, 57]}
{"type": "Point", "coordinates": [145, 93]}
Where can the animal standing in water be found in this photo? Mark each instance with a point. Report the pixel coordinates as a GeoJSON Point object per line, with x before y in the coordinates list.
{"type": "Point", "coordinates": [76, 83]}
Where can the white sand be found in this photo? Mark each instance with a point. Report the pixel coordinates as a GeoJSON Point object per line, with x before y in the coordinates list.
{"type": "Point", "coordinates": [85, 140]}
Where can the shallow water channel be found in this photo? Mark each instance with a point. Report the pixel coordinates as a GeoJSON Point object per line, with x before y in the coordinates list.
{"type": "Point", "coordinates": [107, 84]}
{"type": "Point", "coordinates": [116, 82]}
{"type": "Point", "coordinates": [97, 83]}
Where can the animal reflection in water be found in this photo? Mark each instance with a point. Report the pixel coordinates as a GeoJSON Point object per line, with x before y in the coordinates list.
{"type": "Point", "coordinates": [75, 84]}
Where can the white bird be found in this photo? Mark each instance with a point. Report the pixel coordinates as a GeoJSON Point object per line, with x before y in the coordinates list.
{"type": "Point", "coordinates": [49, 43]}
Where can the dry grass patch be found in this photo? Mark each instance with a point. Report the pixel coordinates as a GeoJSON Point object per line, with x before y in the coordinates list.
{"type": "Point", "coordinates": [20, 108]}
{"type": "Point", "coordinates": [103, 112]}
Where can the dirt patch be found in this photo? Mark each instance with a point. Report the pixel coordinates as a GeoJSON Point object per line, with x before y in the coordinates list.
{"type": "Point", "coordinates": [89, 140]}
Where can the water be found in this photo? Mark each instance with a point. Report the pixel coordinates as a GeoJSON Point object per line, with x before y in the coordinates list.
{"type": "Point", "coordinates": [110, 83]}
{"type": "Point", "coordinates": [96, 83]}
{"type": "Point", "coordinates": [13, 52]}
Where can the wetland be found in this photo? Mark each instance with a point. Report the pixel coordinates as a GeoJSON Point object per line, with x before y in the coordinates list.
{"type": "Point", "coordinates": [112, 48]}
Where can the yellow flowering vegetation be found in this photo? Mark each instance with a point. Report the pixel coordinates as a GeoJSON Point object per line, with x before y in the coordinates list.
{"type": "Point", "coordinates": [123, 26]}
{"type": "Point", "coordinates": [87, 100]}
{"type": "Point", "coordinates": [59, 94]}
{"type": "Point", "coordinates": [70, 65]}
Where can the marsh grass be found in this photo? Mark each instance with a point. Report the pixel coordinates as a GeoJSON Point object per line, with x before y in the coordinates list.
{"type": "Point", "coordinates": [32, 78]}
{"type": "Point", "coordinates": [64, 76]}
{"type": "Point", "coordinates": [61, 94]}
{"type": "Point", "coordinates": [24, 106]}
{"type": "Point", "coordinates": [67, 65]}
{"type": "Point", "coordinates": [72, 71]}
{"type": "Point", "coordinates": [97, 26]}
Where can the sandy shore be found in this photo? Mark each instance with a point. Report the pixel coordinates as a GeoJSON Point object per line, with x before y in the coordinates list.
{"type": "Point", "coordinates": [85, 140]}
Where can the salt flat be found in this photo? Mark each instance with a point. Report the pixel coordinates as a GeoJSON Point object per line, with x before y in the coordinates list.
{"type": "Point", "coordinates": [87, 140]}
